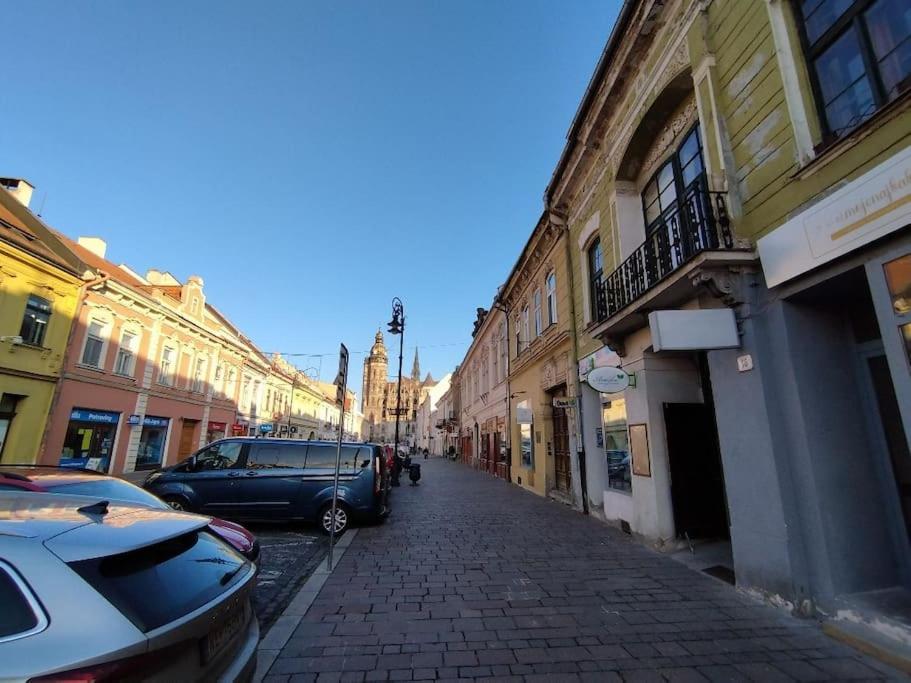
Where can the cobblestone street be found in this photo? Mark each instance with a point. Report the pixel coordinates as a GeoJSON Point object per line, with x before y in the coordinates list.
{"type": "Point", "coordinates": [473, 578]}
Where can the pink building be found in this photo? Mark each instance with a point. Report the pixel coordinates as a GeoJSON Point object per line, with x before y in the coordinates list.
{"type": "Point", "coordinates": [151, 374]}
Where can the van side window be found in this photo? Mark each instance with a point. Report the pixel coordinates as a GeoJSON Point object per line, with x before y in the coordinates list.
{"type": "Point", "coordinates": [323, 458]}
{"type": "Point", "coordinates": [265, 456]}
{"type": "Point", "coordinates": [219, 456]}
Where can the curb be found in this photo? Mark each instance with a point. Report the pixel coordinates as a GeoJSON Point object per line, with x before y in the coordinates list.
{"type": "Point", "coordinates": [283, 628]}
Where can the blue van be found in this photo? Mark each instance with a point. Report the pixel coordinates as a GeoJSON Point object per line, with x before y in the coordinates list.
{"type": "Point", "coordinates": [277, 479]}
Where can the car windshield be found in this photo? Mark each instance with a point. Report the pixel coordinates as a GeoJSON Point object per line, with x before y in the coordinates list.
{"type": "Point", "coordinates": [110, 489]}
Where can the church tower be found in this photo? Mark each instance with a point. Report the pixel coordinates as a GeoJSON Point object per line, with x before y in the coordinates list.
{"type": "Point", "coordinates": [376, 374]}
{"type": "Point", "coordinates": [416, 367]}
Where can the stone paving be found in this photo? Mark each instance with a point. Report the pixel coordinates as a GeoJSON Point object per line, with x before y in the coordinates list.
{"type": "Point", "coordinates": [473, 578]}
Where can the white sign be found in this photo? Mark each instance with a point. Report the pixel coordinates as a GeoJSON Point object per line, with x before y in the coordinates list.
{"type": "Point", "coordinates": [744, 363]}
{"type": "Point", "coordinates": [873, 205]}
{"type": "Point", "coordinates": [524, 415]}
{"type": "Point", "coordinates": [608, 380]}
{"type": "Point", "coordinates": [711, 328]}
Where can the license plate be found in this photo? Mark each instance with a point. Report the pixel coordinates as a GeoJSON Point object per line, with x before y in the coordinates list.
{"type": "Point", "coordinates": [224, 632]}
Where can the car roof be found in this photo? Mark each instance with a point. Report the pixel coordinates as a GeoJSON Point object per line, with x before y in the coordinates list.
{"type": "Point", "coordinates": [26, 514]}
{"type": "Point", "coordinates": [302, 442]}
{"type": "Point", "coordinates": [49, 476]}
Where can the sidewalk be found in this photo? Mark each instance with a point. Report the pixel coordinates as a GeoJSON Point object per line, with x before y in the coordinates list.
{"type": "Point", "coordinates": [473, 578]}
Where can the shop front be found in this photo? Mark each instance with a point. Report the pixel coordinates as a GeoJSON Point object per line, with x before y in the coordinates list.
{"type": "Point", "coordinates": [90, 439]}
{"type": "Point", "coordinates": [215, 431]}
{"type": "Point", "coordinates": [153, 441]}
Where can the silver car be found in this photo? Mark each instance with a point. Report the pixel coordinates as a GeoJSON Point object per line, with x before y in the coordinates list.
{"type": "Point", "coordinates": [100, 591]}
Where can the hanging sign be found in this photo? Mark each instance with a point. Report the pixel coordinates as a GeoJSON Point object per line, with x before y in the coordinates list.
{"type": "Point", "coordinates": [608, 380]}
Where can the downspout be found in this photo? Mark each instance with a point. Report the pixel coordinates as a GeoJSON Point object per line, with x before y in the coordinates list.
{"type": "Point", "coordinates": [498, 304]}
{"type": "Point", "coordinates": [577, 384]}
{"type": "Point", "coordinates": [80, 300]}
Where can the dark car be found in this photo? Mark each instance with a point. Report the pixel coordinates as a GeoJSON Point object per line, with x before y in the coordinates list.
{"type": "Point", "coordinates": [277, 479]}
{"type": "Point", "coordinates": [69, 481]}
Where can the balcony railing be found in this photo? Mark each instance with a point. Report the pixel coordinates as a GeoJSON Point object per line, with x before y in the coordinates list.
{"type": "Point", "coordinates": [698, 222]}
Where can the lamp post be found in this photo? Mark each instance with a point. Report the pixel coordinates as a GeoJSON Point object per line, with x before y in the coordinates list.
{"type": "Point", "coordinates": [397, 326]}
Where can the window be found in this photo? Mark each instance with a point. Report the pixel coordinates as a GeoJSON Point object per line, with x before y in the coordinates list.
{"type": "Point", "coordinates": [495, 359]}
{"type": "Point", "coordinates": [859, 54]}
{"type": "Point", "coordinates": [220, 380]}
{"type": "Point", "coordinates": [245, 392]}
{"type": "Point", "coordinates": [677, 177]}
{"type": "Point", "coordinates": [232, 383]}
{"type": "Point", "coordinates": [34, 321]}
{"type": "Point", "coordinates": [194, 307]}
{"type": "Point", "coordinates": [323, 458]}
{"type": "Point", "coordinates": [539, 326]}
{"type": "Point", "coordinates": [199, 375]}
{"type": "Point", "coordinates": [550, 283]}
{"type": "Point", "coordinates": [21, 614]}
{"type": "Point", "coordinates": [166, 369]}
{"type": "Point", "coordinates": [518, 337]}
{"type": "Point", "coordinates": [616, 444]}
{"type": "Point", "coordinates": [7, 413]}
{"type": "Point", "coordinates": [94, 345]}
{"type": "Point", "coordinates": [485, 375]}
{"type": "Point", "coordinates": [595, 274]}
{"type": "Point", "coordinates": [526, 434]}
{"type": "Point", "coordinates": [526, 334]}
{"type": "Point", "coordinates": [126, 355]}
{"type": "Point", "coordinates": [267, 456]}
{"type": "Point", "coordinates": [504, 350]}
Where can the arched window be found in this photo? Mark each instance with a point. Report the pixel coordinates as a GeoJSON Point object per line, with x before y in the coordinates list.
{"type": "Point", "coordinates": [595, 276]}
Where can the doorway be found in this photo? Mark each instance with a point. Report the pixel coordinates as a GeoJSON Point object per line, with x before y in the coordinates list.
{"type": "Point", "coordinates": [697, 479]}
{"type": "Point", "coordinates": [187, 439]}
{"type": "Point", "coordinates": [562, 460]}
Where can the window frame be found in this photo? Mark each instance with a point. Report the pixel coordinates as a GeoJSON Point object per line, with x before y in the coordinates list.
{"type": "Point", "coordinates": [550, 289]}
{"type": "Point", "coordinates": [172, 375]}
{"type": "Point", "coordinates": [46, 323]}
{"type": "Point", "coordinates": [105, 337]}
{"type": "Point", "coordinates": [539, 319]}
{"type": "Point", "coordinates": [526, 326]}
{"type": "Point", "coordinates": [594, 278]}
{"type": "Point", "coordinates": [851, 20]}
{"type": "Point", "coordinates": [137, 336]}
{"type": "Point", "coordinates": [198, 383]}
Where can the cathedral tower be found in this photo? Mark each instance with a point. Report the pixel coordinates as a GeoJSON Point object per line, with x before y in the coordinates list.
{"type": "Point", "coordinates": [416, 367]}
{"type": "Point", "coordinates": [376, 374]}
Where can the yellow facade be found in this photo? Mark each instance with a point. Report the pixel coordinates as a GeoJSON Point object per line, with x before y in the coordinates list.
{"type": "Point", "coordinates": [28, 373]}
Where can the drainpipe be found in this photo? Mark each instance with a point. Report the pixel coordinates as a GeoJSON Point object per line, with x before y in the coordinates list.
{"type": "Point", "coordinates": [574, 337]}
{"type": "Point", "coordinates": [500, 306]}
{"type": "Point", "coordinates": [80, 300]}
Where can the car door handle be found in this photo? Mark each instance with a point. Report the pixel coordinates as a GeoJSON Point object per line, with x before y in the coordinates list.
{"type": "Point", "coordinates": [251, 474]}
{"type": "Point", "coordinates": [233, 474]}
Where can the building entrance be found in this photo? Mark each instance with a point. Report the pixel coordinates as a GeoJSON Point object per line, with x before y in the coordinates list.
{"type": "Point", "coordinates": [562, 461]}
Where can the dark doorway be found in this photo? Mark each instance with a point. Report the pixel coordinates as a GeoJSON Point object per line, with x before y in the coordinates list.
{"type": "Point", "coordinates": [562, 464]}
{"type": "Point", "coordinates": [697, 480]}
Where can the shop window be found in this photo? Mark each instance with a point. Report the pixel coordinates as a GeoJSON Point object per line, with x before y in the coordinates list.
{"type": "Point", "coordinates": [595, 275]}
{"type": "Point", "coordinates": [152, 442]}
{"type": "Point", "coordinates": [166, 369]}
{"type": "Point", "coordinates": [526, 434]}
{"type": "Point", "coordinates": [898, 278]}
{"type": "Point", "coordinates": [860, 57]}
{"type": "Point", "coordinates": [35, 320]}
{"type": "Point", "coordinates": [93, 351]}
{"type": "Point", "coordinates": [616, 444]}
{"type": "Point", "coordinates": [539, 322]}
{"type": "Point", "coordinates": [89, 440]}
{"type": "Point", "coordinates": [8, 404]}
{"type": "Point", "coordinates": [551, 286]}
{"type": "Point", "coordinates": [126, 355]}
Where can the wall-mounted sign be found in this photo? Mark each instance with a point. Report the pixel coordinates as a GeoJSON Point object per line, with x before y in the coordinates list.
{"type": "Point", "coordinates": [133, 419]}
{"type": "Point", "coordinates": [638, 444]}
{"type": "Point", "coordinates": [265, 428]}
{"type": "Point", "coordinates": [150, 421]}
{"type": "Point", "coordinates": [524, 415]}
{"type": "Point", "coordinates": [564, 402]}
{"type": "Point", "coordinates": [608, 380]}
{"type": "Point", "coordinates": [239, 428]}
{"type": "Point", "coordinates": [83, 415]}
{"type": "Point", "coordinates": [602, 358]}
{"type": "Point", "coordinates": [875, 204]}
{"type": "Point", "coordinates": [217, 426]}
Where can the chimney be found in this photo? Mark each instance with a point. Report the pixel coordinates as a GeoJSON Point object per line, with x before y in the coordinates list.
{"type": "Point", "coordinates": [96, 245]}
{"type": "Point", "coordinates": [20, 188]}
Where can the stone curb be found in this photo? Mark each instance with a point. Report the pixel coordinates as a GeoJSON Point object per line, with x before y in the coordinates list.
{"type": "Point", "coordinates": [283, 628]}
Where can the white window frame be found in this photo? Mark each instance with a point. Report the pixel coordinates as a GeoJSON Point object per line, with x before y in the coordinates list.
{"type": "Point", "coordinates": [167, 380]}
{"type": "Point", "coordinates": [550, 287]}
{"type": "Point", "coordinates": [539, 321]}
{"type": "Point", "coordinates": [105, 340]}
{"type": "Point", "coordinates": [198, 383]}
{"type": "Point", "coordinates": [219, 380]}
{"type": "Point", "coordinates": [130, 371]}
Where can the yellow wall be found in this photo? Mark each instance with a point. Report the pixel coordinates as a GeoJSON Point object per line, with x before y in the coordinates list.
{"type": "Point", "coordinates": [31, 372]}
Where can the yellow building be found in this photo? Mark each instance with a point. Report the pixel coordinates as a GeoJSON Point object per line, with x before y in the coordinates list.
{"type": "Point", "coordinates": [538, 303]}
{"type": "Point", "coordinates": [39, 288]}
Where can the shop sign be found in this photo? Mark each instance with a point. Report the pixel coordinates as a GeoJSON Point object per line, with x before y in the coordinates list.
{"type": "Point", "coordinates": [608, 380]}
{"type": "Point", "coordinates": [602, 358]}
{"type": "Point", "coordinates": [149, 421]}
{"type": "Point", "coordinates": [875, 204]}
{"type": "Point", "coordinates": [84, 415]}
{"type": "Point", "coordinates": [134, 420]}
{"type": "Point", "coordinates": [564, 402]}
{"type": "Point", "coordinates": [239, 429]}
{"type": "Point", "coordinates": [524, 415]}
{"type": "Point", "coordinates": [217, 426]}
{"type": "Point", "coordinates": [265, 428]}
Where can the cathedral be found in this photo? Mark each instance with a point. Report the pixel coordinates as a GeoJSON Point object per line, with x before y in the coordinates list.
{"type": "Point", "coordinates": [379, 397]}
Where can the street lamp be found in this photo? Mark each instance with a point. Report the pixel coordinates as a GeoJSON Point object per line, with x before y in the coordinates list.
{"type": "Point", "coordinates": [397, 326]}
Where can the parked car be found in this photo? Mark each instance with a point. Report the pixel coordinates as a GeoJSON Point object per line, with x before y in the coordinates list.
{"type": "Point", "coordinates": [71, 481]}
{"type": "Point", "coordinates": [94, 590]}
{"type": "Point", "coordinates": [277, 479]}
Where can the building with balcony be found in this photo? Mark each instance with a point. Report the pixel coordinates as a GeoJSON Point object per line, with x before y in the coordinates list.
{"type": "Point", "coordinates": [736, 185]}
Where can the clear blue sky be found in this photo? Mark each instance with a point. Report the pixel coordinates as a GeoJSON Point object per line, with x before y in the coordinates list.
{"type": "Point", "coordinates": [310, 160]}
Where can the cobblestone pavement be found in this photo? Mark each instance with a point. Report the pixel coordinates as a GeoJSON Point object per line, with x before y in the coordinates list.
{"type": "Point", "coordinates": [473, 578]}
{"type": "Point", "coordinates": [288, 555]}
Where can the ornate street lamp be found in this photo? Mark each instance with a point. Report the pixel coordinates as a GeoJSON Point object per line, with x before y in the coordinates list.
{"type": "Point", "coordinates": [397, 326]}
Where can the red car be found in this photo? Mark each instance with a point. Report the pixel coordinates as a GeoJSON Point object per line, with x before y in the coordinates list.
{"type": "Point", "coordinates": [88, 483]}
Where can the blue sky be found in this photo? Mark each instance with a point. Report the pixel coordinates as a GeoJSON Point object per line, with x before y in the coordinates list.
{"type": "Point", "coordinates": [310, 160]}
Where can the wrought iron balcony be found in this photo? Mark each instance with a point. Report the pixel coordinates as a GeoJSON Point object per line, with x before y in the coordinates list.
{"type": "Point", "coordinates": [696, 223]}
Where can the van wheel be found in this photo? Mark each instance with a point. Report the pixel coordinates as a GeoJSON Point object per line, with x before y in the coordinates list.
{"type": "Point", "coordinates": [341, 519]}
{"type": "Point", "coordinates": [177, 503]}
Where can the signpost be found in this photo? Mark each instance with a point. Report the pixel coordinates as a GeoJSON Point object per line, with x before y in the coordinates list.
{"type": "Point", "coordinates": [341, 381]}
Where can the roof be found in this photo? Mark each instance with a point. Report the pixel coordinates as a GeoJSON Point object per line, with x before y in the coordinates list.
{"type": "Point", "coordinates": [97, 263]}
{"type": "Point", "coordinates": [17, 233]}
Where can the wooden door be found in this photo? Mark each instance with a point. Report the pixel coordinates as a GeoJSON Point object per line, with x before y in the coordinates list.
{"type": "Point", "coordinates": [188, 439]}
{"type": "Point", "coordinates": [562, 467]}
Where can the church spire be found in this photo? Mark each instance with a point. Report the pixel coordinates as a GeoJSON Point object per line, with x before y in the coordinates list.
{"type": "Point", "coordinates": [416, 368]}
